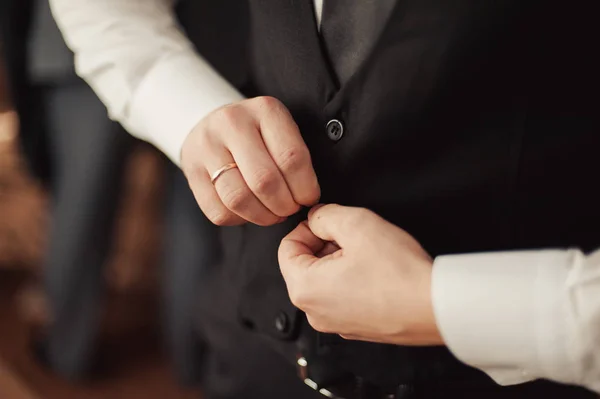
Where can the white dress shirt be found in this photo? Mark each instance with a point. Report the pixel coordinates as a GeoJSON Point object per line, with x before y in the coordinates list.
{"type": "Point", "coordinates": [517, 316]}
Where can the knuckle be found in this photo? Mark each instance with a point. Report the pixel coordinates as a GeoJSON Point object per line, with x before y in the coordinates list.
{"type": "Point", "coordinates": [219, 218]}
{"type": "Point", "coordinates": [268, 103]}
{"type": "Point", "coordinates": [310, 196]}
{"type": "Point", "coordinates": [236, 199]}
{"type": "Point", "coordinates": [292, 159]}
{"type": "Point", "coordinates": [228, 111]}
{"type": "Point", "coordinates": [265, 181]}
{"type": "Point", "coordinates": [217, 214]}
{"type": "Point", "coordinates": [229, 117]}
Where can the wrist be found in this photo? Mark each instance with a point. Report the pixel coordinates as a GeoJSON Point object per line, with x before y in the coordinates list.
{"type": "Point", "coordinates": [184, 160]}
{"type": "Point", "coordinates": [417, 321]}
{"type": "Point", "coordinates": [429, 328]}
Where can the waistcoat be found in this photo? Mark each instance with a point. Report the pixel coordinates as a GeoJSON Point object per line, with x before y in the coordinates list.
{"type": "Point", "coordinates": [473, 125]}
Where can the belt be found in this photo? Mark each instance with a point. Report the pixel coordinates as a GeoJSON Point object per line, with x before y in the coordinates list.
{"type": "Point", "coordinates": [341, 388]}
{"type": "Point", "coordinates": [350, 387]}
{"type": "Point", "coordinates": [353, 387]}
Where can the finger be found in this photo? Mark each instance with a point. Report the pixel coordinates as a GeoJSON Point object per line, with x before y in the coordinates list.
{"type": "Point", "coordinates": [336, 223]}
{"type": "Point", "coordinates": [209, 201]}
{"type": "Point", "coordinates": [284, 142]}
{"type": "Point", "coordinates": [260, 172]}
{"type": "Point", "coordinates": [296, 256]}
{"type": "Point", "coordinates": [300, 245]}
{"type": "Point", "coordinates": [235, 194]}
{"type": "Point", "coordinates": [330, 248]}
{"type": "Point", "coordinates": [297, 251]}
{"type": "Point", "coordinates": [239, 199]}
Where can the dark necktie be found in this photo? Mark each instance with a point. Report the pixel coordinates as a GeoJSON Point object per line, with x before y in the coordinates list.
{"type": "Point", "coordinates": [349, 29]}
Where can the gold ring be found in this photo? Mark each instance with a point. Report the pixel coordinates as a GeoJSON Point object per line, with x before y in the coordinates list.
{"type": "Point", "coordinates": [222, 170]}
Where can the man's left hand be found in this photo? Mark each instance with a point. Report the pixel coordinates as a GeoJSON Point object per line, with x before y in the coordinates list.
{"type": "Point", "coordinates": [359, 276]}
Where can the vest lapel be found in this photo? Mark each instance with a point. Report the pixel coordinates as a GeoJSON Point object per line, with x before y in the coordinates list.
{"type": "Point", "coordinates": [297, 21]}
{"type": "Point", "coordinates": [391, 21]}
{"type": "Point", "coordinates": [392, 24]}
{"type": "Point", "coordinates": [291, 30]}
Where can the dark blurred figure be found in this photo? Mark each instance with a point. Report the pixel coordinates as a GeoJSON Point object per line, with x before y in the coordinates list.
{"type": "Point", "coordinates": [79, 154]}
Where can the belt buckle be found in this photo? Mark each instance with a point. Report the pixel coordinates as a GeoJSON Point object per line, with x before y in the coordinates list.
{"type": "Point", "coordinates": [303, 373]}
{"type": "Point", "coordinates": [330, 391]}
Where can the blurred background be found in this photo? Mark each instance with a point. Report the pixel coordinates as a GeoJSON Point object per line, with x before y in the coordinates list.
{"type": "Point", "coordinates": [131, 361]}
{"type": "Point", "coordinates": [101, 241]}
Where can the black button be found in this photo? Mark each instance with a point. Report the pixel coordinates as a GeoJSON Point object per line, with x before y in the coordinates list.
{"type": "Point", "coordinates": [335, 130]}
{"type": "Point", "coordinates": [281, 323]}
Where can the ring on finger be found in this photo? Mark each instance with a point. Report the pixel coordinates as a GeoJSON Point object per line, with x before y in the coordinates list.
{"type": "Point", "coordinates": [221, 170]}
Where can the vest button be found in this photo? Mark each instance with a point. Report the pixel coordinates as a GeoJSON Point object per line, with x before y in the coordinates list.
{"type": "Point", "coordinates": [335, 130]}
{"type": "Point", "coordinates": [281, 322]}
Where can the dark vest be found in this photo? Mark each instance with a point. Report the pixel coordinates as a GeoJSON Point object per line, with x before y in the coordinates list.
{"type": "Point", "coordinates": [473, 125]}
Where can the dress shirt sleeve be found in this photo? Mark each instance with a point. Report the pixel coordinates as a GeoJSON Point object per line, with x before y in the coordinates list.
{"type": "Point", "coordinates": [141, 65]}
{"type": "Point", "coordinates": [522, 315]}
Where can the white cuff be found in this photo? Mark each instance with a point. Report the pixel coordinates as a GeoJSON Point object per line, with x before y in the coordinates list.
{"type": "Point", "coordinates": [505, 313]}
{"type": "Point", "coordinates": [173, 97]}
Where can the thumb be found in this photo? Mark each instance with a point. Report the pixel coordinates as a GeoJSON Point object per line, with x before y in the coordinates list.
{"type": "Point", "coordinates": [334, 223]}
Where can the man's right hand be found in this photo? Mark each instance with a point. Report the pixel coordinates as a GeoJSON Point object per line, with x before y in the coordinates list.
{"type": "Point", "coordinates": [274, 175]}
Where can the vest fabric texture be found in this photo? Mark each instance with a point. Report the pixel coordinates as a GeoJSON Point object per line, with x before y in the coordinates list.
{"type": "Point", "coordinates": [472, 125]}
{"type": "Point", "coordinates": [349, 29]}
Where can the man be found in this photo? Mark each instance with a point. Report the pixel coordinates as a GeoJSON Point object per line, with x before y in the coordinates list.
{"type": "Point", "coordinates": [78, 154]}
{"type": "Point", "coordinates": [466, 126]}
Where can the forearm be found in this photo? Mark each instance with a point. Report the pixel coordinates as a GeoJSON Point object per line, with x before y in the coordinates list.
{"type": "Point", "coordinates": [141, 65]}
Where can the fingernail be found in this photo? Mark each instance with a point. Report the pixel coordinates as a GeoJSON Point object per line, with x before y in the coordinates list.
{"type": "Point", "coordinates": [314, 209]}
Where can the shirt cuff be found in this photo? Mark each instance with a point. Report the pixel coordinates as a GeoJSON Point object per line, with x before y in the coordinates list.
{"type": "Point", "coordinates": [173, 97]}
{"type": "Point", "coordinates": [505, 313]}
